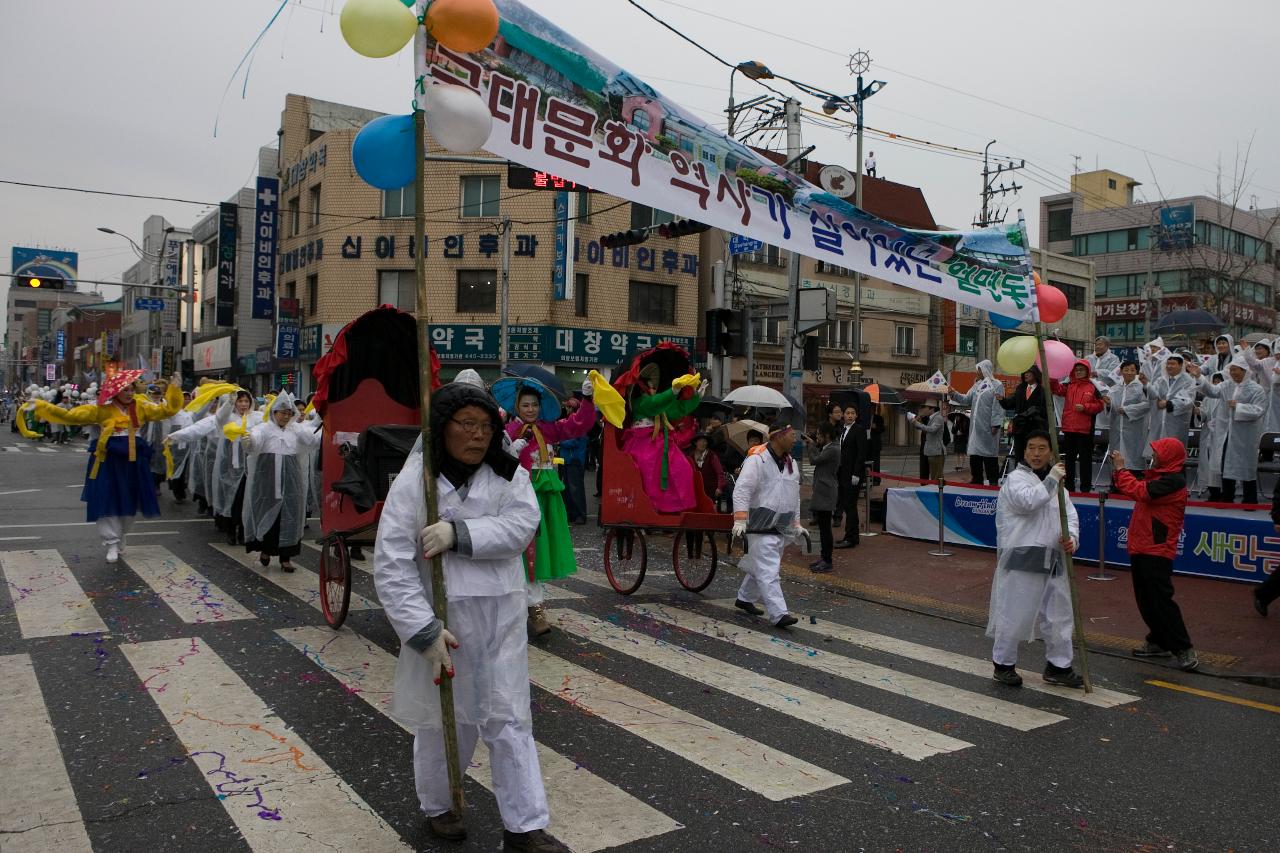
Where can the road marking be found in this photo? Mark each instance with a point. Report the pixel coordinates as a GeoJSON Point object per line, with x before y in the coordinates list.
{"type": "Point", "coordinates": [1100, 697]}
{"type": "Point", "coordinates": [987, 708]}
{"type": "Point", "coordinates": [45, 450]}
{"type": "Point", "coordinates": [748, 763]}
{"type": "Point", "coordinates": [280, 794]}
{"type": "Point", "coordinates": [824, 712]}
{"type": "Point", "coordinates": [559, 593]}
{"type": "Point", "coordinates": [74, 486]}
{"type": "Point", "coordinates": [19, 492]}
{"type": "Point", "coordinates": [91, 524]}
{"type": "Point", "coordinates": [12, 449]}
{"type": "Point", "coordinates": [46, 597]}
{"type": "Point", "coordinates": [38, 809]}
{"type": "Point", "coordinates": [17, 538]}
{"type": "Point", "coordinates": [188, 593]}
{"type": "Point", "coordinates": [301, 584]}
{"type": "Point", "coordinates": [587, 813]}
{"type": "Point", "coordinates": [365, 565]}
{"type": "Point", "coordinates": [1221, 697]}
{"type": "Point", "coordinates": [153, 533]}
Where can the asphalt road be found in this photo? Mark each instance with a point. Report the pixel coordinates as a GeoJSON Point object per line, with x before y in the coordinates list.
{"type": "Point", "coordinates": [181, 701]}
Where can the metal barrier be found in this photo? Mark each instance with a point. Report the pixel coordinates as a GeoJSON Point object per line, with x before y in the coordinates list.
{"type": "Point", "coordinates": [941, 550]}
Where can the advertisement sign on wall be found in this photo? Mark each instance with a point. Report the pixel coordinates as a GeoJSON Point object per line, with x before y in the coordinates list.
{"type": "Point", "coordinates": [228, 228]}
{"type": "Point", "coordinates": [46, 263]}
{"type": "Point", "coordinates": [213, 355]}
{"type": "Point", "coordinates": [266, 229]}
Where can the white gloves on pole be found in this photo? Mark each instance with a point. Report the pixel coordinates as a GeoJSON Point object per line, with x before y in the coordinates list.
{"type": "Point", "coordinates": [854, 481]}
{"type": "Point", "coordinates": [739, 528]}
{"type": "Point", "coordinates": [1057, 472]}
{"type": "Point", "coordinates": [437, 656]}
{"type": "Point", "coordinates": [437, 538]}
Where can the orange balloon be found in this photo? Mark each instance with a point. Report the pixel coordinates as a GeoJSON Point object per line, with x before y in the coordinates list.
{"type": "Point", "coordinates": [463, 25]}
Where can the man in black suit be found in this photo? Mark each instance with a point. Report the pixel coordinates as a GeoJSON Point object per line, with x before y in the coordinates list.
{"type": "Point", "coordinates": [854, 444]}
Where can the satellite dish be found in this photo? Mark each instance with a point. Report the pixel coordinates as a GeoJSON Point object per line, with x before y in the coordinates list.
{"type": "Point", "coordinates": [837, 180]}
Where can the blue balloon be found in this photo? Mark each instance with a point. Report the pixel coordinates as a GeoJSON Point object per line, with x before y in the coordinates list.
{"type": "Point", "coordinates": [383, 152]}
{"type": "Point", "coordinates": [1002, 322]}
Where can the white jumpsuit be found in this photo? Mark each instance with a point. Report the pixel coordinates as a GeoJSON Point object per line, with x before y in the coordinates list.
{"type": "Point", "coordinates": [771, 499]}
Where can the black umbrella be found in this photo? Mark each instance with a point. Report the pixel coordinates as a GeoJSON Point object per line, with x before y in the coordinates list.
{"type": "Point", "coordinates": [713, 406]}
{"type": "Point", "coordinates": [1187, 322]}
{"type": "Point", "coordinates": [541, 375]}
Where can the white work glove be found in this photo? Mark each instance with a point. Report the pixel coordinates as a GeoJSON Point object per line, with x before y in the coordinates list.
{"type": "Point", "coordinates": [1057, 472]}
{"type": "Point", "coordinates": [739, 528]}
{"type": "Point", "coordinates": [799, 532]}
{"type": "Point", "coordinates": [702, 389]}
{"type": "Point", "coordinates": [911, 416]}
{"type": "Point", "coordinates": [437, 656]}
{"type": "Point", "coordinates": [587, 388]}
{"type": "Point", "coordinates": [517, 447]}
{"type": "Point", "coordinates": [437, 538]}
{"type": "Point", "coordinates": [854, 481]}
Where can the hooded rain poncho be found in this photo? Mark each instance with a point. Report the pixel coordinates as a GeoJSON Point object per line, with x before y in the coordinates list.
{"type": "Point", "coordinates": [275, 487]}
{"type": "Point", "coordinates": [983, 400]}
{"type": "Point", "coordinates": [1236, 432]}
{"type": "Point", "coordinates": [1174, 420]}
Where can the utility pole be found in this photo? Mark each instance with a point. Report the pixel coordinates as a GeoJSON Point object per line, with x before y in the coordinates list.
{"type": "Point", "coordinates": [506, 293]}
{"type": "Point", "coordinates": [990, 217]}
{"type": "Point", "coordinates": [792, 376]}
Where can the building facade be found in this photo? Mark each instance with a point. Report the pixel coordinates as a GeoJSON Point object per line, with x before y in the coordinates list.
{"type": "Point", "coordinates": [1155, 257]}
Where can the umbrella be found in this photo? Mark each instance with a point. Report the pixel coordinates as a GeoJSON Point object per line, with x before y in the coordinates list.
{"type": "Point", "coordinates": [926, 388]}
{"type": "Point", "coordinates": [736, 432]}
{"type": "Point", "coordinates": [712, 406]}
{"type": "Point", "coordinates": [761, 396]}
{"type": "Point", "coordinates": [541, 375]}
{"type": "Point", "coordinates": [1187, 322]}
{"type": "Point", "coordinates": [507, 391]}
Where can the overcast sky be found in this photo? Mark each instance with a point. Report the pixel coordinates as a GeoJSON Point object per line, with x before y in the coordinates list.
{"type": "Point", "coordinates": [123, 96]}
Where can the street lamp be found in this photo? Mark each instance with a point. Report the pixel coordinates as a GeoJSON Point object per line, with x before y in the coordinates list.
{"type": "Point", "coordinates": [753, 70]}
{"type": "Point", "coordinates": [158, 259]}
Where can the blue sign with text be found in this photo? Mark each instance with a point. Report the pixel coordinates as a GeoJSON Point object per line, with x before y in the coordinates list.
{"type": "Point", "coordinates": [141, 304]}
{"type": "Point", "coordinates": [739, 245]}
{"type": "Point", "coordinates": [265, 232]}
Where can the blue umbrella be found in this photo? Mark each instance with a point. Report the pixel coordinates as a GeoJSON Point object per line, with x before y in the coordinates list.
{"type": "Point", "coordinates": [547, 379]}
{"type": "Point", "coordinates": [507, 390]}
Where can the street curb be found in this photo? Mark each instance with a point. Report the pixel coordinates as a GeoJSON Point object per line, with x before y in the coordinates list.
{"type": "Point", "coordinates": [1113, 647]}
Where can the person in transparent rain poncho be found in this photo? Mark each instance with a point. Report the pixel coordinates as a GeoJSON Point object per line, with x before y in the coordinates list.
{"type": "Point", "coordinates": [488, 512]}
{"type": "Point", "coordinates": [198, 443]}
{"type": "Point", "coordinates": [986, 420]}
{"type": "Point", "coordinates": [1236, 432]}
{"type": "Point", "coordinates": [1130, 409]}
{"type": "Point", "coordinates": [766, 511]}
{"type": "Point", "coordinates": [275, 497]}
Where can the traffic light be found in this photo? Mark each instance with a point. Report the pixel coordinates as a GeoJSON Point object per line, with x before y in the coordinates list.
{"type": "Point", "coordinates": [810, 360]}
{"type": "Point", "coordinates": [624, 238]}
{"type": "Point", "coordinates": [727, 330]}
{"type": "Point", "coordinates": [55, 283]}
{"type": "Point", "coordinates": [681, 228]}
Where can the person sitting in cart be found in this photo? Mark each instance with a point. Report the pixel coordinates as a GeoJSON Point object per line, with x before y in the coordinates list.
{"type": "Point", "coordinates": [488, 512]}
{"type": "Point", "coordinates": [657, 434]}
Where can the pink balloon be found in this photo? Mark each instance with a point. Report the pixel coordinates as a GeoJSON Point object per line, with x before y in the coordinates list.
{"type": "Point", "coordinates": [1061, 359]}
{"type": "Point", "coordinates": [1052, 303]}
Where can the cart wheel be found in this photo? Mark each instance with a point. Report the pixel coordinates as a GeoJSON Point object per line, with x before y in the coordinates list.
{"type": "Point", "coordinates": [694, 556]}
{"type": "Point", "coordinates": [625, 557]}
{"type": "Point", "coordinates": [335, 581]}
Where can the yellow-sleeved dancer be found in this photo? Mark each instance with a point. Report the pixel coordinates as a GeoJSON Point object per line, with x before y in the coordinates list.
{"type": "Point", "coordinates": [117, 485]}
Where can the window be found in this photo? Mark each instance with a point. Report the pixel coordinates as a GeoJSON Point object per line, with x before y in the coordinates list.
{"type": "Point", "coordinates": [1060, 224]}
{"type": "Point", "coordinates": [640, 120]}
{"type": "Point", "coordinates": [831, 269]}
{"type": "Point", "coordinates": [210, 255]}
{"type": "Point", "coordinates": [24, 303]}
{"type": "Point", "coordinates": [584, 207]}
{"type": "Point", "coordinates": [313, 202]}
{"type": "Point", "coordinates": [643, 216]}
{"type": "Point", "coordinates": [905, 341]}
{"type": "Point", "coordinates": [767, 255]}
{"type": "Point", "coordinates": [479, 196]}
{"type": "Point", "coordinates": [652, 303]}
{"type": "Point", "coordinates": [1075, 294]}
{"type": "Point", "coordinates": [581, 294]}
{"type": "Point", "coordinates": [1096, 244]}
{"type": "Point", "coordinates": [477, 291]}
{"type": "Point", "coordinates": [289, 290]}
{"type": "Point", "coordinates": [295, 215]}
{"type": "Point", "coordinates": [1111, 183]}
{"type": "Point", "coordinates": [313, 294]}
{"type": "Point", "coordinates": [766, 330]}
{"type": "Point", "coordinates": [398, 288]}
{"type": "Point", "coordinates": [399, 202]}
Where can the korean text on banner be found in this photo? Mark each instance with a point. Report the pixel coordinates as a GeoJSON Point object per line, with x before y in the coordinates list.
{"type": "Point", "coordinates": [266, 230]}
{"type": "Point", "coordinates": [558, 106]}
{"type": "Point", "coordinates": [228, 228]}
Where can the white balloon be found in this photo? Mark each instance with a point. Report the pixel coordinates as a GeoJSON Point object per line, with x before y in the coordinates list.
{"type": "Point", "coordinates": [457, 117]}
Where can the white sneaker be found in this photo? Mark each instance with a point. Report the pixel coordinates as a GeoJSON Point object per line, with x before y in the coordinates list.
{"type": "Point", "coordinates": [113, 553]}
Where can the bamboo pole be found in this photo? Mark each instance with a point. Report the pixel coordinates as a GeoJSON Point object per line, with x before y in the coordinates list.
{"type": "Point", "coordinates": [439, 601]}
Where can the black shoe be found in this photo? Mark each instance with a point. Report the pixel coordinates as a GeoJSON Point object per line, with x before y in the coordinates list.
{"type": "Point", "coordinates": [845, 543]}
{"type": "Point", "coordinates": [1150, 650]}
{"type": "Point", "coordinates": [1062, 677]}
{"type": "Point", "coordinates": [748, 607]}
{"type": "Point", "coordinates": [534, 841]}
{"type": "Point", "coordinates": [231, 539]}
{"type": "Point", "coordinates": [1188, 660]}
{"type": "Point", "coordinates": [447, 826]}
{"type": "Point", "coordinates": [356, 553]}
{"type": "Point", "coordinates": [1007, 675]}
{"type": "Point", "coordinates": [1260, 606]}
{"type": "Point", "coordinates": [264, 560]}
{"type": "Point", "coordinates": [286, 566]}
{"type": "Point", "coordinates": [786, 621]}
{"type": "Point", "coordinates": [821, 567]}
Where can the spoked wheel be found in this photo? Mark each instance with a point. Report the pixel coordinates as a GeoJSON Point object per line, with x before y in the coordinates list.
{"type": "Point", "coordinates": [625, 558]}
{"type": "Point", "coordinates": [335, 581]}
{"type": "Point", "coordinates": [694, 556]}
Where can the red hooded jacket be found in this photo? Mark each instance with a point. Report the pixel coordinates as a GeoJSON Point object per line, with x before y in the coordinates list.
{"type": "Point", "coordinates": [1078, 392]}
{"type": "Point", "coordinates": [1160, 500]}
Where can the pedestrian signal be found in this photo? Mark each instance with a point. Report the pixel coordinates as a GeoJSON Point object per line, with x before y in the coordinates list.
{"type": "Point", "coordinates": [624, 238]}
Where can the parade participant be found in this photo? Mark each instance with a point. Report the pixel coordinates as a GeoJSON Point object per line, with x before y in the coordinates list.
{"type": "Point", "coordinates": [1159, 511]}
{"type": "Point", "coordinates": [1261, 362]}
{"type": "Point", "coordinates": [983, 400]}
{"type": "Point", "coordinates": [1173, 395]}
{"type": "Point", "coordinates": [118, 484]}
{"type": "Point", "coordinates": [574, 471]}
{"type": "Point", "coordinates": [933, 449]}
{"type": "Point", "coordinates": [1209, 471]}
{"type": "Point", "coordinates": [660, 427]}
{"type": "Point", "coordinates": [1129, 408]}
{"type": "Point", "coordinates": [190, 441]}
{"type": "Point", "coordinates": [227, 477]}
{"type": "Point", "coordinates": [1224, 350]}
{"type": "Point", "coordinates": [1237, 430]}
{"type": "Point", "coordinates": [1030, 594]}
{"type": "Point", "coordinates": [275, 499]}
{"type": "Point", "coordinates": [531, 439]}
{"type": "Point", "coordinates": [1029, 412]}
{"type": "Point", "coordinates": [1151, 362]}
{"type": "Point", "coordinates": [707, 465]}
{"type": "Point", "coordinates": [1269, 591]}
{"type": "Point", "coordinates": [1081, 402]}
{"type": "Point", "coordinates": [176, 461]}
{"type": "Point", "coordinates": [766, 502]}
{"type": "Point", "coordinates": [1106, 374]}
{"type": "Point", "coordinates": [826, 490]}
{"type": "Point", "coordinates": [488, 513]}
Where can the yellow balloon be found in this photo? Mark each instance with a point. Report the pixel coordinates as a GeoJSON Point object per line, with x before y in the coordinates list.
{"type": "Point", "coordinates": [377, 28]}
{"type": "Point", "coordinates": [463, 25]}
{"type": "Point", "coordinates": [1017, 354]}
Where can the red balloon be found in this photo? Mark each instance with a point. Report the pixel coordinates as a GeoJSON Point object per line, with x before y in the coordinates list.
{"type": "Point", "coordinates": [1052, 303]}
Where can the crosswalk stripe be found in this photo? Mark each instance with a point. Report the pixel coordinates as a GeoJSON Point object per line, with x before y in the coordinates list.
{"type": "Point", "coordinates": [188, 593]}
{"type": "Point", "coordinates": [46, 597]}
{"type": "Point", "coordinates": [280, 794]}
{"type": "Point", "coordinates": [1100, 697]}
{"type": "Point", "coordinates": [559, 593]}
{"type": "Point", "coordinates": [365, 565]}
{"type": "Point", "coordinates": [301, 584]}
{"type": "Point", "coordinates": [38, 809]}
{"type": "Point", "coordinates": [772, 774]}
{"type": "Point", "coordinates": [833, 715]}
{"type": "Point", "coordinates": [12, 449]}
{"type": "Point", "coordinates": [45, 450]}
{"type": "Point", "coordinates": [961, 701]}
{"type": "Point", "coordinates": [587, 813]}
